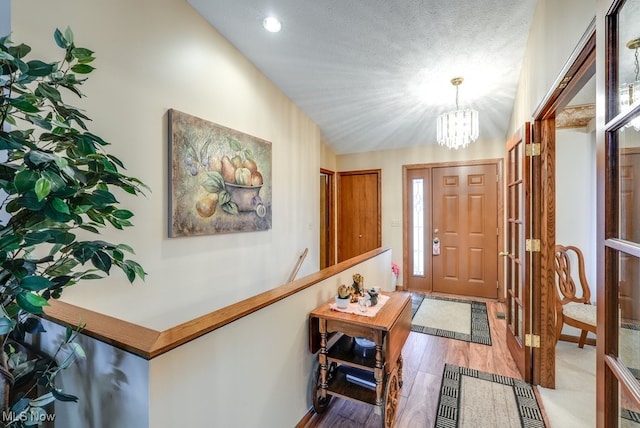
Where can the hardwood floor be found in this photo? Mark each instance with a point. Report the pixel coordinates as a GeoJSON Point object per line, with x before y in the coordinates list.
{"type": "Point", "coordinates": [424, 359]}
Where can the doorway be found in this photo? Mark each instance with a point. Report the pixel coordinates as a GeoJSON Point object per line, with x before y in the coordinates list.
{"type": "Point", "coordinates": [453, 228]}
{"type": "Point", "coordinates": [578, 71]}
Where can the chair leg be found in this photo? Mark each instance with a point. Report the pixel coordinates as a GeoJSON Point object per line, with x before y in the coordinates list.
{"type": "Point", "coordinates": [583, 338]}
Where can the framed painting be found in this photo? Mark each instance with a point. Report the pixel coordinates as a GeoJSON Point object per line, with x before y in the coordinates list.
{"type": "Point", "coordinates": [219, 178]}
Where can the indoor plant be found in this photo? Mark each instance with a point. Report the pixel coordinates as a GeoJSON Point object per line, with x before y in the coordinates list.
{"type": "Point", "coordinates": [58, 185]}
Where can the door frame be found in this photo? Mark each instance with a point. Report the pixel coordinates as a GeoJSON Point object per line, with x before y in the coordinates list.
{"type": "Point", "coordinates": [331, 215]}
{"type": "Point", "coordinates": [579, 68]}
{"type": "Point", "coordinates": [406, 199]}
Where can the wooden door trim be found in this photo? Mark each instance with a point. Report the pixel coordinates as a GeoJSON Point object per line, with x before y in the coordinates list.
{"type": "Point", "coordinates": [579, 68]}
{"type": "Point", "coordinates": [498, 162]}
{"type": "Point", "coordinates": [332, 213]}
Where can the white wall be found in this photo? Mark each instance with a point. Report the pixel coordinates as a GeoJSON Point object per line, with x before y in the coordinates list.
{"type": "Point", "coordinates": [153, 55]}
{"type": "Point", "coordinates": [556, 30]}
{"type": "Point", "coordinates": [254, 372]}
{"type": "Point", "coordinates": [576, 196]}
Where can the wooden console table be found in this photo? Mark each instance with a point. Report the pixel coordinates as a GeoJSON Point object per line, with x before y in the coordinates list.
{"type": "Point", "coordinates": [388, 329]}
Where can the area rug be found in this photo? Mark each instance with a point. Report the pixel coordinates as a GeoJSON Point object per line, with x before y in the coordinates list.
{"type": "Point", "coordinates": [452, 318]}
{"type": "Point", "coordinates": [471, 398]}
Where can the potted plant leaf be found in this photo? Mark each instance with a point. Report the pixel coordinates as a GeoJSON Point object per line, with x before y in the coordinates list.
{"type": "Point", "coordinates": [58, 186]}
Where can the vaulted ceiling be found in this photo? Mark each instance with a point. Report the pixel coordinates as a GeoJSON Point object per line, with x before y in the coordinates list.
{"type": "Point", "coordinates": [375, 74]}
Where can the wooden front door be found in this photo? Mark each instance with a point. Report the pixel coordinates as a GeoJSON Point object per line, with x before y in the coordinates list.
{"type": "Point", "coordinates": [516, 257]}
{"type": "Point", "coordinates": [359, 213]}
{"type": "Point", "coordinates": [464, 245]}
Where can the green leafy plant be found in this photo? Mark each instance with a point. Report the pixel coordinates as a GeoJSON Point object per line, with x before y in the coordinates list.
{"type": "Point", "coordinates": [58, 183]}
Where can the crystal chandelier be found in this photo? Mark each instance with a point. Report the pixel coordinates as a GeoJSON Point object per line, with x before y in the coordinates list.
{"type": "Point", "coordinates": [457, 128]}
{"type": "Point", "coordinates": [630, 92]}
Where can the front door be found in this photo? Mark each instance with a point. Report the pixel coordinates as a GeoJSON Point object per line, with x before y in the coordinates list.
{"type": "Point", "coordinates": [516, 256]}
{"type": "Point", "coordinates": [464, 243]}
{"type": "Point", "coordinates": [452, 228]}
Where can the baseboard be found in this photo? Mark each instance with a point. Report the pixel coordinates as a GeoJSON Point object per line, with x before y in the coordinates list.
{"type": "Point", "coordinates": [306, 421]}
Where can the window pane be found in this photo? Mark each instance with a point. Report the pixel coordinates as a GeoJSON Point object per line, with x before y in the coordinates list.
{"type": "Point", "coordinates": [629, 182]}
{"type": "Point", "coordinates": [418, 226]}
{"type": "Point", "coordinates": [628, 51]}
{"type": "Point", "coordinates": [629, 343]}
{"type": "Point", "coordinates": [628, 414]}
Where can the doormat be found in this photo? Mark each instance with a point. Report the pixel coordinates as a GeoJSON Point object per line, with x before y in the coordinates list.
{"type": "Point", "coordinates": [471, 398]}
{"type": "Point", "coordinates": [452, 318]}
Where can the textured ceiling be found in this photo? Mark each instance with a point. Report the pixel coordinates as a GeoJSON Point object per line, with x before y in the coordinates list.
{"type": "Point", "coordinates": [375, 74]}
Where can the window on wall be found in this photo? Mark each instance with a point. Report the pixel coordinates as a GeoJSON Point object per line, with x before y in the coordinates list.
{"type": "Point", "coordinates": [417, 227]}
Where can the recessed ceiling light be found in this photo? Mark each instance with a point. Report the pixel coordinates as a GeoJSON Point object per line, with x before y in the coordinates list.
{"type": "Point", "coordinates": [272, 24]}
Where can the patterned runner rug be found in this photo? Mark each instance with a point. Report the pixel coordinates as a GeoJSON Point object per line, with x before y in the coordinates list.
{"type": "Point", "coordinates": [453, 318]}
{"type": "Point", "coordinates": [471, 398]}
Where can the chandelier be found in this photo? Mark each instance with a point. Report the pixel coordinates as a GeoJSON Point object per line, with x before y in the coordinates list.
{"type": "Point", "coordinates": [457, 128]}
{"type": "Point", "coordinates": [630, 92]}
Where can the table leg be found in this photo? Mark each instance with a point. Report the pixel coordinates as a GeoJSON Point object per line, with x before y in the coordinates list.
{"type": "Point", "coordinates": [400, 381]}
{"type": "Point", "coordinates": [379, 369]}
{"type": "Point", "coordinates": [322, 359]}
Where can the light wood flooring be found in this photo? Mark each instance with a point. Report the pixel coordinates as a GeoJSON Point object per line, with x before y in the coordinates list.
{"type": "Point", "coordinates": [424, 359]}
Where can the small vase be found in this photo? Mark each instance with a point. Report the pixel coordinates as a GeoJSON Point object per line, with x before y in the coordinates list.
{"type": "Point", "coordinates": [394, 281]}
{"type": "Point", "coordinates": [342, 303]}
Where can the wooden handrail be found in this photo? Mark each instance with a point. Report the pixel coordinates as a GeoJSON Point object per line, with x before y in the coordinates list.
{"type": "Point", "coordinates": [298, 265]}
{"type": "Point", "coordinates": [149, 343]}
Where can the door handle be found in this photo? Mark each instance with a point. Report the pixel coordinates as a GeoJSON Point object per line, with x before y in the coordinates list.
{"type": "Point", "coordinates": [503, 253]}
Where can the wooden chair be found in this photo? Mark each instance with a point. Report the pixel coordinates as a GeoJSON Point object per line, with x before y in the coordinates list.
{"type": "Point", "coordinates": [573, 305]}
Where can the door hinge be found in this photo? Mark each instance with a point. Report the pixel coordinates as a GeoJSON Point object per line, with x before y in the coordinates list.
{"type": "Point", "coordinates": [532, 245]}
{"type": "Point", "coordinates": [532, 340]}
{"type": "Point", "coordinates": [532, 149]}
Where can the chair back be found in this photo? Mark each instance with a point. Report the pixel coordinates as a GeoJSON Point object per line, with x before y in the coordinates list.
{"type": "Point", "coordinates": [567, 289]}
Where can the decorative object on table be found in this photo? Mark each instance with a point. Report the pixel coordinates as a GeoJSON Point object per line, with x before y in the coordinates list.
{"type": "Point", "coordinates": [358, 287]}
{"type": "Point", "coordinates": [363, 303]}
{"type": "Point", "coordinates": [219, 178]}
{"type": "Point", "coordinates": [373, 296]}
{"type": "Point", "coordinates": [344, 296]}
{"type": "Point", "coordinates": [58, 180]}
{"type": "Point", "coordinates": [395, 272]}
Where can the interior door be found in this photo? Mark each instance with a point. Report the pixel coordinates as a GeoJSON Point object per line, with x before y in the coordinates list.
{"type": "Point", "coordinates": [618, 270]}
{"type": "Point", "coordinates": [516, 256]}
{"type": "Point", "coordinates": [359, 213]}
{"type": "Point", "coordinates": [464, 244]}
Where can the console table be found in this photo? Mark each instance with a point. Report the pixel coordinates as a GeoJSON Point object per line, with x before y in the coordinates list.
{"type": "Point", "coordinates": [388, 329]}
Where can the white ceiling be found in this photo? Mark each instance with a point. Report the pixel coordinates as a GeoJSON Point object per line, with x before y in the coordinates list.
{"type": "Point", "coordinates": [375, 74]}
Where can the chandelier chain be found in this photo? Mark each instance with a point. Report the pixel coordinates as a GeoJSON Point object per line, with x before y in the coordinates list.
{"type": "Point", "coordinates": [637, 64]}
